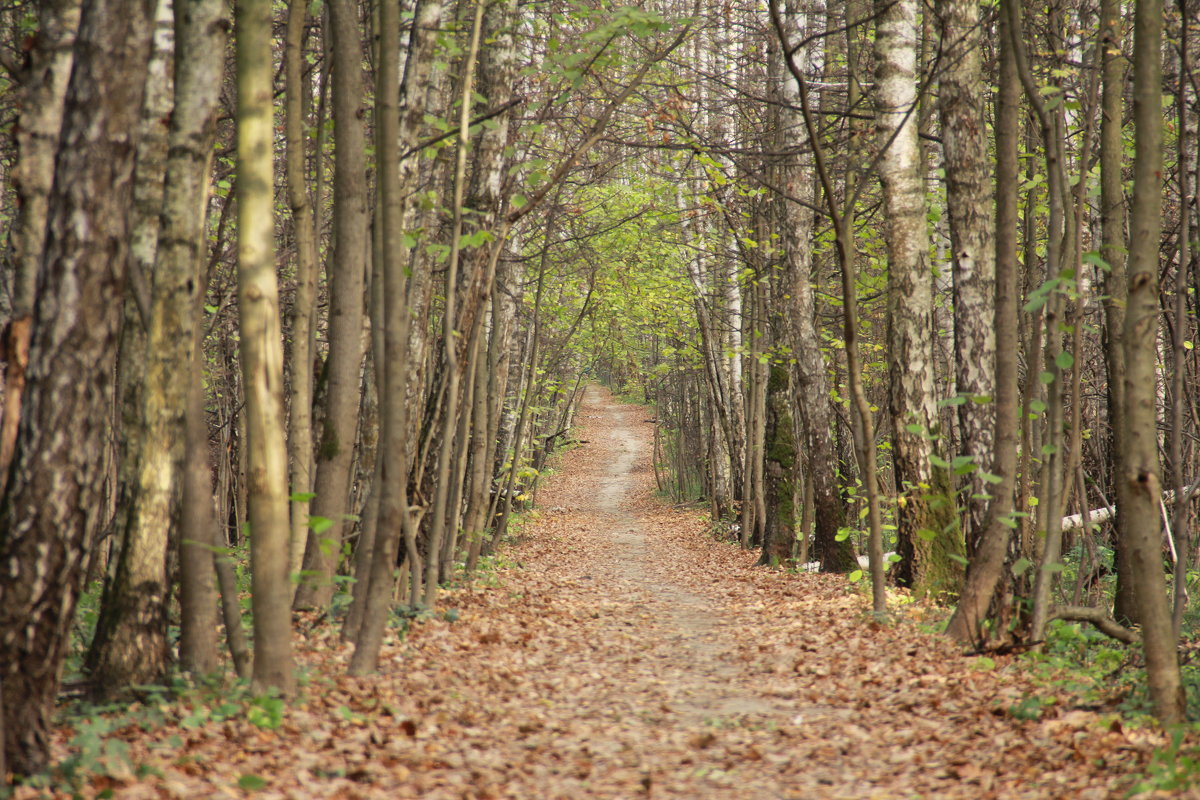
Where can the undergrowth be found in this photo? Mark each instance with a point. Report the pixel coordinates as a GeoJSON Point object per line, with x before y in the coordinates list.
{"type": "Point", "coordinates": [99, 756]}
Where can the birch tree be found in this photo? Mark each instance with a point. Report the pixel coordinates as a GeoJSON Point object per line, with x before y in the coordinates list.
{"type": "Point", "coordinates": [52, 506]}
{"type": "Point", "coordinates": [927, 533]}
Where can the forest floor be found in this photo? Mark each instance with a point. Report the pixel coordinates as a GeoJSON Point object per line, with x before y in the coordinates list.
{"type": "Point", "coordinates": [623, 652]}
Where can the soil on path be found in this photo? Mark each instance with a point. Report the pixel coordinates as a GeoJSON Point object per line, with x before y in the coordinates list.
{"type": "Point", "coordinates": [625, 653]}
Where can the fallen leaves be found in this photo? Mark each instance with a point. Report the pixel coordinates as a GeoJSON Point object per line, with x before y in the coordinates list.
{"type": "Point", "coordinates": [632, 655]}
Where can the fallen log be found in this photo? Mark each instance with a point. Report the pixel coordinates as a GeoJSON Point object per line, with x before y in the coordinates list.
{"type": "Point", "coordinates": [1099, 618]}
{"type": "Point", "coordinates": [1098, 515]}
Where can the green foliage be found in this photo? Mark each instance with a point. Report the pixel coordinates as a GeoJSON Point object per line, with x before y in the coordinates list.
{"type": "Point", "coordinates": [1171, 769]}
{"type": "Point", "coordinates": [97, 747]}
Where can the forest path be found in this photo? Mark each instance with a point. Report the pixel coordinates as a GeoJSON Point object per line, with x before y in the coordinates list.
{"type": "Point", "coordinates": [617, 651]}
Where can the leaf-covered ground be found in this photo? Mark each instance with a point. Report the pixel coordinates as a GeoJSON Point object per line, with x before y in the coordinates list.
{"type": "Point", "coordinates": [625, 653]}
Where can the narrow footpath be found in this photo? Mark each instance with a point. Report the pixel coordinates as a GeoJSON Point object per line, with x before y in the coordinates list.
{"type": "Point", "coordinates": [620, 651]}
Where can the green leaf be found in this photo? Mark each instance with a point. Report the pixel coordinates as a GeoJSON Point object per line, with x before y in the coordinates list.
{"type": "Point", "coordinates": [1094, 257]}
{"type": "Point", "coordinates": [984, 664]}
{"type": "Point", "coordinates": [926, 535]}
{"type": "Point", "coordinates": [519, 201]}
{"type": "Point", "coordinates": [251, 782]}
{"type": "Point", "coordinates": [1064, 360]}
{"type": "Point", "coordinates": [319, 525]}
{"type": "Point", "coordinates": [1046, 377]}
{"type": "Point", "coordinates": [843, 534]}
{"type": "Point", "coordinates": [301, 497]}
{"type": "Point", "coordinates": [855, 577]}
{"type": "Point", "coordinates": [1021, 566]}
{"type": "Point", "coordinates": [1037, 406]}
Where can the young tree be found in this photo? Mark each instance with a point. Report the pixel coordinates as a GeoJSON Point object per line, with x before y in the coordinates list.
{"type": "Point", "coordinates": [1141, 465]}
{"type": "Point", "coordinates": [348, 269]}
{"type": "Point", "coordinates": [201, 30]}
{"type": "Point", "coordinates": [52, 505]}
{"type": "Point", "coordinates": [300, 444]}
{"type": "Point", "coordinates": [262, 351]}
{"type": "Point", "coordinates": [986, 569]}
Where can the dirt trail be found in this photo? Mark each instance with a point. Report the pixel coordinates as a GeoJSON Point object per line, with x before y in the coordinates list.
{"type": "Point", "coordinates": [623, 653]}
{"type": "Point", "coordinates": [690, 653]}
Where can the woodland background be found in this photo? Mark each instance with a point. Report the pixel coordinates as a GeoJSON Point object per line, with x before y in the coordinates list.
{"type": "Point", "coordinates": [310, 291]}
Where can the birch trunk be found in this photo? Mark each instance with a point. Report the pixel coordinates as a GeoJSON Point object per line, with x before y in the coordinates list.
{"type": "Point", "coordinates": [968, 201]}
{"type": "Point", "coordinates": [927, 534]}
{"type": "Point", "coordinates": [53, 502]}
{"type": "Point", "coordinates": [43, 90]}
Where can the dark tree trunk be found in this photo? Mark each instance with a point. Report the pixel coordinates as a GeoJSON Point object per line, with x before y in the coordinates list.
{"type": "Point", "coordinates": [53, 503]}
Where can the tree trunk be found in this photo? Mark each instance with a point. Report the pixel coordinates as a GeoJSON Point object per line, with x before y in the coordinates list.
{"type": "Point", "coordinates": [1143, 541]}
{"type": "Point", "coordinates": [347, 274]}
{"type": "Point", "coordinates": [130, 645]}
{"type": "Point", "coordinates": [52, 505]}
{"type": "Point", "coordinates": [262, 353]}
{"type": "Point", "coordinates": [43, 89]}
{"type": "Point", "coordinates": [201, 31]}
{"type": "Point", "coordinates": [986, 569]}
{"type": "Point", "coordinates": [927, 531]}
{"type": "Point", "coordinates": [1112, 223]}
{"type": "Point", "coordinates": [813, 400]}
{"type": "Point", "coordinates": [968, 201]}
{"type": "Point", "coordinates": [300, 434]}
{"type": "Point", "coordinates": [395, 516]}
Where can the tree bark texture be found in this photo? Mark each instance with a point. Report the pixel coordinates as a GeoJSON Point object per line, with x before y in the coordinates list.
{"type": "Point", "coordinates": [201, 30]}
{"type": "Point", "coordinates": [53, 503]}
{"type": "Point", "coordinates": [927, 533]}
{"type": "Point", "coordinates": [986, 570]}
{"type": "Point", "coordinates": [968, 202]}
{"type": "Point", "coordinates": [261, 353]}
{"type": "Point", "coordinates": [130, 644]}
{"type": "Point", "coordinates": [1143, 535]}
{"type": "Point", "coordinates": [42, 91]}
{"type": "Point", "coordinates": [347, 275]}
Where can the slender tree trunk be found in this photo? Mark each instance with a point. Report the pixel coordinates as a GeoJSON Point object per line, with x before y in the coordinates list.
{"type": "Point", "coordinates": [968, 190]}
{"type": "Point", "coordinates": [300, 435]}
{"type": "Point", "coordinates": [262, 353]}
{"type": "Point", "coordinates": [986, 569]}
{"type": "Point", "coordinates": [347, 274]}
{"type": "Point", "coordinates": [1180, 514]}
{"type": "Point", "coordinates": [450, 341]}
{"type": "Point", "coordinates": [395, 516]}
{"type": "Point", "coordinates": [52, 504]}
{"type": "Point", "coordinates": [1112, 221]}
{"type": "Point", "coordinates": [1143, 534]}
{"type": "Point", "coordinates": [813, 400]}
{"type": "Point", "coordinates": [201, 28]}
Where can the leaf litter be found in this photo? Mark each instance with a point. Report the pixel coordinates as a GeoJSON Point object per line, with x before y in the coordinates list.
{"type": "Point", "coordinates": [626, 653]}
